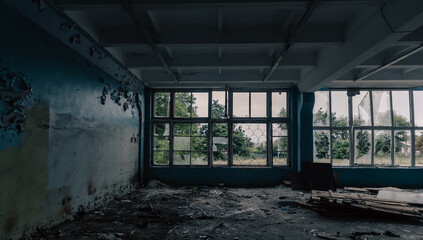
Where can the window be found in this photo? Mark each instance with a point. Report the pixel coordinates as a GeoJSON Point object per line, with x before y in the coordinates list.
{"type": "Point", "coordinates": [372, 127]}
{"type": "Point", "coordinates": [220, 128]}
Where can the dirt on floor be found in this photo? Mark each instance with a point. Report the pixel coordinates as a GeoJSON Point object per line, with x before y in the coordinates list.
{"type": "Point", "coordinates": [163, 212]}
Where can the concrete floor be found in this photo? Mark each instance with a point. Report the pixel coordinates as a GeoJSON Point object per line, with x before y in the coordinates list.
{"type": "Point", "coordinates": [162, 212]}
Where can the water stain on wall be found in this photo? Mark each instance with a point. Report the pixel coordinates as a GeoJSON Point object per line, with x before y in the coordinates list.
{"type": "Point", "coordinates": [23, 175]}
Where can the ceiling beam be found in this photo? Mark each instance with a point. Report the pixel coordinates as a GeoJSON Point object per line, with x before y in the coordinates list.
{"type": "Point", "coordinates": [244, 76]}
{"type": "Point", "coordinates": [228, 61]}
{"type": "Point", "coordinates": [291, 38]}
{"type": "Point", "coordinates": [392, 74]}
{"type": "Point", "coordinates": [131, 12]}
{"type": "Point", "coordinates": [186, 36]}
{"type": "Point", "coordinates": [388, 64]}
{"type": "Point", "coordinates": [198, 4]}
{"type": "Point", "coordinates": [388, 25]}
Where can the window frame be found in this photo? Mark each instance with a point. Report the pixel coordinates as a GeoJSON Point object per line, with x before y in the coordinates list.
{"type": "Point", "coordinates": [230, 121]}
{"type": "Point", "coordinates": [372, 128]}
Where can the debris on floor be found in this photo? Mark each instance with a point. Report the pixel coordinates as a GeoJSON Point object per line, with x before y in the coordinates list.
{"type": "Point", "coordinates": [161, 211]}
{"type": "Point", "coordinates": [368, 202]}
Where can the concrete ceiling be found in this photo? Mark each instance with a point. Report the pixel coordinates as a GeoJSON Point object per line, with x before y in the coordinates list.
{"type": "Point", "coordinates": [194, 43]}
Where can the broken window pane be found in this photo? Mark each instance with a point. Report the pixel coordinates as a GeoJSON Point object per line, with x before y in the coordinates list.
{"type": "Point", "coordinates": [321, 146]}
{"type": "Point", "coordinates": [181, 158]}
{"type": "Point", "coordinates": [361, 109]}
{"type": "Point", "coordinates": [340, 148]}
{"type": "Point", "coordinates": [200, 104]}
{"type": "Point", "coordinates": [183, 104]}
{"type": "Point", "coordinates": [381, 108]}
{"type": "Point", "coordinates": [199, 158]}
{"type": "Point", "coordinates": [382, 147]}
{"type": "Point", "coordinates": [279, 106]}
{"type": "Point", "coordinates": [279, 129]}
{"type": "Point", "coordinates": [418, 109]}
{"type": "Point", "coordinates": [218, 105]}
{"type": "Point", "coordinates": [220, 158]}
{"type": "Point", "coordinates": [162, 103]}
{"type": "Point", "coordinates": [363, 147]}
{"type": "Point", "coordinates": [401, 108]}
{"type": "Point", "coordinates": [280, 144]}
{"type": "Point", "coordinates": [161, 157]}
{"type": "Point", "coordinates": [249, 144]}
{"type": "Point", "coordinates": [161, 129]}
{"type": "Point", "coordinates": [220, 144]}
{"type": "Point", "coordinates": [241, 104]}
{"type": "Point", "coordinates": [402, 148]}
{"type": "Point", "coordinates": [280, 158]}
{"type": "Point", "coordinates": [161, 145]}
{"type": "Point", "coordinates": [419, 147]}
{"type": "Point", "coordinates": [321, 109]}
{"type": "Point", "coordinates": [258, 104]}
{"type": "Point", "coordinates": [339, 109]}
{"type": "Point", "coordinates": [182, 129]}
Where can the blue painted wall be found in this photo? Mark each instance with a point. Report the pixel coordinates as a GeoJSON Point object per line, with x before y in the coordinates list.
{"type": "Point", "coordinates": [75, 151]}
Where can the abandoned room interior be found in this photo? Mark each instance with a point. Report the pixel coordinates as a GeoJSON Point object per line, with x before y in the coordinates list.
{"type": "Point", "coordinates": [211, 119]}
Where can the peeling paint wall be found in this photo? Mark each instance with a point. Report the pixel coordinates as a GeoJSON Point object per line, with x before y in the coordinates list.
{"type": "Point", "coordinates": [79, 145]}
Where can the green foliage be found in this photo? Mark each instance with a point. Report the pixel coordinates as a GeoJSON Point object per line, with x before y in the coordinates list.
{"type": "Point", "coordinates": [218, 110]}
{"type": "Point", "coordinates": [162, 104]}
{"type": "Point", "coordinates": [363, 143]}
{"type": "Point", "coordinates": [320, 118]}
{"type": "Point", "coordinates": [321, 143]}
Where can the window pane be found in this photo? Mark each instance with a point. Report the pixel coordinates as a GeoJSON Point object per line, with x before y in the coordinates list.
{"type": "Point", "coordinates": [382, 154]}
{"type": "Point", "coordinates": [182, 129]}
{"type": "Point", "coordinates": [258, 104]}
{"type": "Point", "coordinates": [200, 129]}
{"type": "Point", "coordinates": [321, 146]}
{"type": "Point", "coordinates": [402, 143]}
{"type": "Point", "coordinates": [181, 143]}
{"type": "Point", "coordinates": [199, 144]}
{"type": "Point", "coordinates": [220, 158]}
{"type": "Point", "coordinates": [161, 129]}
{"type": "Point", "coordinates": [321, 109]}
{"type": "Point", "coordinates": [419, 147]}
{"type": "Point", "coordinates": [200, 104]}
{"type": "Point", "coordinates": [220, 129]}
{"type": "Point", "coordinates": [418, 109]}
{"type": "Point", "coordinates": [279, 108]}
{"type": "Point", "coordinates": [381, 108]}
{"type": "Point", "coordinates": [401, 108]}
{"type": "Point", "coordinates": [161, 158]}
{"type": "Point", "coordinates": [183, 104]}
{"type": "Point", "coordinates": [199, 158]}
{"type": "Point", "coordinates": [339, 109]}
{"type": "Point", "coordinates": [181, 158]}
{"type": "Point", "coordinates": [161, 143]}
{"type": "Point", "coordinates": [280, 158]}
{"type": "Point", "coordinates": [249, 144]}
{"type": "Point", "coordinates": [241, 104]}
{"type": "Point", "coordinates": [280, 144]}
{"type": "Point", "coordinates": [340, 148]}
{"type": "Point", "coordinates": [218, 104]}
{"type": "Point", "coordinates": [220, 144]}
{"type": "Point", "coordinates": [162, 103]}
{"type": "Point", "coordinates": [279, 129]}
{"type": "Point", "coordinates": [361, 109]}
{"type": "Point", "coordinates": [363, 147]}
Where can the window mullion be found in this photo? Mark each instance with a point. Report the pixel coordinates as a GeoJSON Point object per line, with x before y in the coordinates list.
{"type": "Point", "coordinates": [413, 132]}
{"type": "Point", "coordinates": [392, 130]}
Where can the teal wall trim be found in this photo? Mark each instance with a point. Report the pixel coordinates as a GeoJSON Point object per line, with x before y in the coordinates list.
{"type": "Point", "coordinates": [306, 127]}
